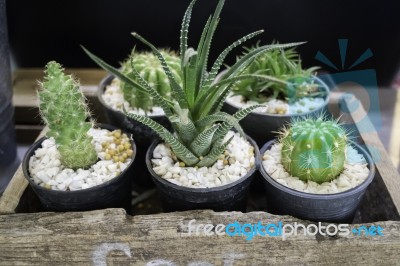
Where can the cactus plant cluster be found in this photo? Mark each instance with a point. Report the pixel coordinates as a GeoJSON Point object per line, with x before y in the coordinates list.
{"type": "Point", "coordinates": [293, 81]}
{"type": "Point", "coordinates": [314, 149]}
{"type": "Point", "coordinates": [150, 69]}
{"type": "Point", "coordinates": [63, 109]}
{"type": "Point", "coordinates": [194, 109]}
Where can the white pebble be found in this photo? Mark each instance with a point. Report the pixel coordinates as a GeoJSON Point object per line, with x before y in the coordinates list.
{"type": "Point", "coordinates": [45, 166]}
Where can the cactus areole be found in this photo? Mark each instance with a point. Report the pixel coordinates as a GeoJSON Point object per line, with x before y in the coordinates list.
{"type": "Point", "coordinates": [314, 149]}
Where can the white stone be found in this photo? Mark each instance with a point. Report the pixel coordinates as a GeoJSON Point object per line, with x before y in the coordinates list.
{"type": "Point", "coordinates": [46, 168]}
{"type": "Point", "coordinates": [274, 106]}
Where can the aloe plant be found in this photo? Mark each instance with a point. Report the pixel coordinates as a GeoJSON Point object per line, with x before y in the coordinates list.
{"type": "Point", "coordinates": [284, 64]}
{"type": "Point", "coordinates": [195, 109]}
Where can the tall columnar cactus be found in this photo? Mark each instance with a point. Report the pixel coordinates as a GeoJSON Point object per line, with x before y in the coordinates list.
{"type": "Point", "coordinates": [151, 71]}
{"type": "Point", "coordinates": [63, 108]}
{"type": "Point", "coordinates": [314, 149]}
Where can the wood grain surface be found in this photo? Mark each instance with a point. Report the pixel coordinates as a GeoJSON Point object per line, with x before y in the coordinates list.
{"type": "Point", "coordinates": [110, 237]}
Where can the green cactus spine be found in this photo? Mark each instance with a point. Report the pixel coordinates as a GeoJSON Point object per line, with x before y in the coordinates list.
{"type": "Point", "coordinates": [63, 108]}
{"type": "Point", "coordinates": [314, 149]}
{"type": "Point", "coordinates": [150, 69]}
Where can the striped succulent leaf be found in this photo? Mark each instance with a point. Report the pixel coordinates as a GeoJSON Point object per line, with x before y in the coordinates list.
{"type": "Point", "coordinates": [199, 125]}
{"type": "Point", "coordinates": [213, 155]}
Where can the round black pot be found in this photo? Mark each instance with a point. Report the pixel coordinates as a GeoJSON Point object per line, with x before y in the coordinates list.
{"type": "Point", "coordinates": [264, 127]}
{"type": "Point", "coordinates": [338, 207]}
{"type": "Point", "coordinates": [142, 134]}
{"type": "Point", "coordinates": [230, 197]}
{"type": "Point", "coordinates": [111, 194]}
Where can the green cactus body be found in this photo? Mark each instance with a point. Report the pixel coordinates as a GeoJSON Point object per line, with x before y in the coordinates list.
{"type": "Point", "coordinates": [63, 108]}
{"type": "Point", "coordinates": [314, 149]}
{"type": "Point", "coordinates": [150, 69]}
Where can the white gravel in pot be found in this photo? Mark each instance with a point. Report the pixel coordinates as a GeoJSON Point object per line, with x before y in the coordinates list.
{"type": "Point", "coordinates": [354, 173]}
{"type": "Point", "coordinates": [275, 106]}
{"type": "Point", "coordinates": [235, 163]}
{"type": "Point", "coordinates": [114, 97]}
{"type": "Point", "coordinates": [47, 171]}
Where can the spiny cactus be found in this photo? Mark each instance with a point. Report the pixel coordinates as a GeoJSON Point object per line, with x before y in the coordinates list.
{"type": "Point", "coordinates": [63, 108]}
{"type": "Point", "coordinates": [150, 69]}
{"type": "Point", "coordinates": [195, 108]}
{"type": "Point", "coordinates": [283, 64]}
{"type": "Point", "coordinates": [314, 149]}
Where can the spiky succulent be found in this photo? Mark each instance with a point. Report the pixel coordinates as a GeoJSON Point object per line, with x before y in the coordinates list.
{"type": "Point", "coordinates": [194, 111]}
{"type": "Point", "coordinates": [283, 64]}
{"type": "Point", "coordinates": [314, 149]}
{"type": "Point", "coordinates": [63, 108]}
{"type": "Point", "coordinates": [150, 69]}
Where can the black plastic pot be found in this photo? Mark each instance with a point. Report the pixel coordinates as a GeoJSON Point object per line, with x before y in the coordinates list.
{"type": "Point", "coordinates": [338, 207]}
{"type": "Point", "coordinates": [142, 134]}
{"type": "Point", "coordinates": [111, 194]}
{"type": "Point", "coordinates": [264, 127]}
{"type": "Point", "coordinates": [230, 197]}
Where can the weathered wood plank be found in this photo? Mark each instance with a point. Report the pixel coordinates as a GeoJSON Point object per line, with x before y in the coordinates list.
{"type": "Point", "coordinates": [110, 236]}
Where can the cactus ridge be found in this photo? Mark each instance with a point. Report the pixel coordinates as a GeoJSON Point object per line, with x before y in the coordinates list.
{"type": "Point", "coordinates": [63, 109]}
{"type": "Point", "coordinates": [150, 69]}
{"type": "Point", "coordinates": [314, 149]}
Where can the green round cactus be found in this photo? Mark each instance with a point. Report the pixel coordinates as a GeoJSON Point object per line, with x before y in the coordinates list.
{"type": "Point", "coordinates": [150, 69]}
{"type": "Point", "coordinates": [63, 108]}
{"type": "Point", "coordinates": [314, 149]}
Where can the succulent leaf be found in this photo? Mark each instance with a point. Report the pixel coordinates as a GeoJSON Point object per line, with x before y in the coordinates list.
{"type": "Point", "coordinates": [284, 65]}
{"type": "Point", "coordinates": [215, 152]}
{"type": "Point", "coordinates": [145, 66]}
{"type": "Point", "coordinates": [184, 31]}
{"type": "Point", "coordinates": [220, 59]}
{"type": "Point", "coordinates": [220, 117]}
{"type": "Point", "coordinates": [176, 88]}
{"type": "Point", "coordinates": [179, 149]}
{"type": "Point", "coordinates": [202, 143]}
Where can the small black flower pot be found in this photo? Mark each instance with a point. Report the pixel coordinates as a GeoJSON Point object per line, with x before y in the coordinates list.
{"type": "Point", "coordinates": [142, 134]}
{"type": "Point", "coordinates": [111, 194]}
{"type": "Point", "coordinates": [338, 207]}
{"type": "Point", "coordinates": [230, 197]}
{"type": "Point", "coordinates": [264, 127]}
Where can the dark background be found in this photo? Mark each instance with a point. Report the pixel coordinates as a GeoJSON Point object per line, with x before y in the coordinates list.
{"type": "Point", "coordinates": [41, 31]}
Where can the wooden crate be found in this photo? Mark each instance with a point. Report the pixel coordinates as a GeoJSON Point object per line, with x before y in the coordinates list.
{"type": "Point", "coordinates": [110, 236]}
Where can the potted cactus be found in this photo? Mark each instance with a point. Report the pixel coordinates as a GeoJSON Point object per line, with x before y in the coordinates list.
{"type": "Point", "coordinates": [117, 97]}
{"type": "Point", "coordinates": [78, 166]}
{"type": "Point", "coordinates": [203, 164]}
{"type": "Point", "coordinates": [295, 92]}
{"type": "Point", "coordinates": [313, 171]}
